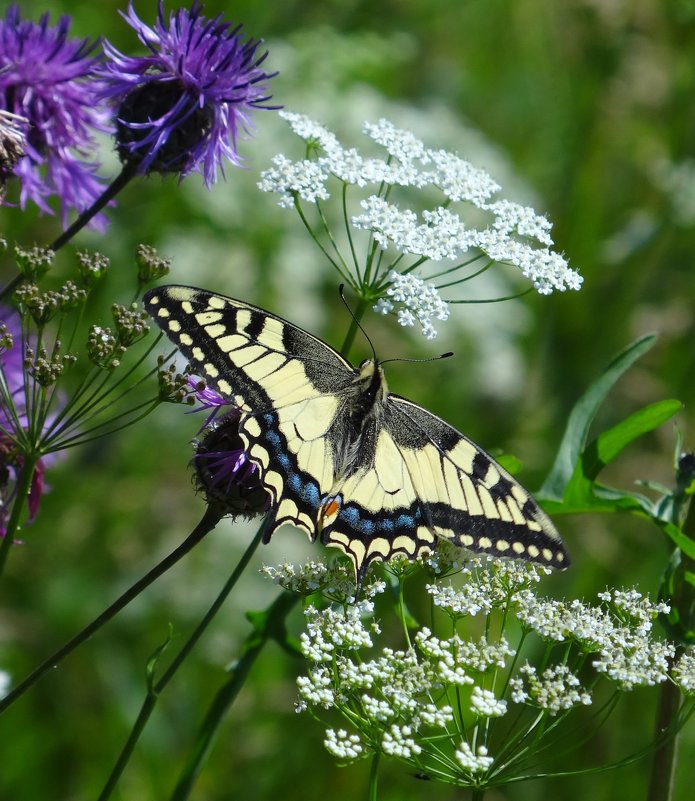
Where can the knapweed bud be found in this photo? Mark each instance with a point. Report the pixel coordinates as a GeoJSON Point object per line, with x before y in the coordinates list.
{"type": "Point", "coordinates": [34, 263]}
{"type": "Point", "coordinates": [130, 324]}
{"type": "Point", "coordinates": [151, 266]}
{"type": "Point", "coordinates": [92, 267]}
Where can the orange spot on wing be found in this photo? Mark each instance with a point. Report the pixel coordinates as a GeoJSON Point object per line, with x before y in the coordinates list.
{"type": "Point", "coordinates": [331, 507]}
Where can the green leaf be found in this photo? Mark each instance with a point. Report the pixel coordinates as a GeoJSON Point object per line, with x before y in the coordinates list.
{"type": "Point", "coordinates": [510, 463]}
{"type": "Point", "coordinates": [153, 661]}
{"type": "Point", "coordinates": [582, 496]}
{"type": "Point", "coordinates": [582, 415]}
{"type": "Point", "coordinates": [610, 443]}
{"type": "Point", "coordinates": [685, 544]}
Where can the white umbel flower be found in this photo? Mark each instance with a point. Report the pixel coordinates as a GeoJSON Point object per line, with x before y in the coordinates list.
{"type": "Point", "coordinates": [343, 745]}
{"type": "Point", "coordinates": [477, 762]}
{"type": "Point", "coordinates": [486, 704]}
{"type": "Point", "coordinates": [469, 223]}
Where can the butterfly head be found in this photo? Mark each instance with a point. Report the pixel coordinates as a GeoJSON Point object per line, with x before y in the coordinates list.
{"type": "Point", "coordinates": [371, 383]}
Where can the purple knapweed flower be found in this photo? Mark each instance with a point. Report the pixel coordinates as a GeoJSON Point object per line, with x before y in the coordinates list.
{"type": "Point", "coordinates": [48, 79]}
{"type": "Point", "coordinates": [223, 470]}
{"type": "Point", "coordinates": [181, 107]}
{"type": "Point", "coordinates": [208, 399]}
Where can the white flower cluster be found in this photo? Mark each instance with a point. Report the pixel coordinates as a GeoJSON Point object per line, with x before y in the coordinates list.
{"type": "Point", "coordinates": [342, 745]}
{"type": "Point", "coordinates": [621, 634]}
{"type": "Point", "coordinates": [684, 671]}
{"type": "Point", "coordinates": [335, 581]}
{"type": "Point", "coordinates": [398, 741]}
{"type": "Point", "coordinates": [421, 302]}
{"type": "Point", "coordinates": [490, 583]}
{"type": "Point", "coordinates": [456, 652]}
{"type": "Point", "coordinates": [477, 762]}
{"type": "Point", "coordinates": [513, 234]}
{"type": "Point", "coordinates": [556, 689]}
{"type": "Point", "coordinates": [331, 630]}
{"type": "Point", "coordinates": [415, 704]}
{"type": "Point", "coordinates": [485, 703]}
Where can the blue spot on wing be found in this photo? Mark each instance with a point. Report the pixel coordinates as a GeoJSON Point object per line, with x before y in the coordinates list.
{"type": "Point", "coordinates": [310, 493]}
{"type": "Point", "coordinates": [366, 523]}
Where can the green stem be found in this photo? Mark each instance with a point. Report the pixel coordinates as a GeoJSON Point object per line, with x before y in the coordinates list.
{"type": "Point", "coordinates": [209, 520]}
{"type": "Point", "coordinates": [128, 171]}
{"type": "Point", "coordinates": [138, 727]}
{"type": "Point", "coordinates": [477, 794]}
{"type": "Point", "coordinates": [155, 689]}
{"type": "Point", "coordinates": [358, 314]}
{"type": "Point", "coordinates": [662, 777]}
{"type": "Point", "coordinates": [26, 475]}
{"type": "Point", "coordinates": [663, 772]}
{"type": "Point", "coordinates": [271, 626]}
{"type": "Point", "coordinates": [373, 776]}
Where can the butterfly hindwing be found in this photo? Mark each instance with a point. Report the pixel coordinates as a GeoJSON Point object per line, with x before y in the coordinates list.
{"type": "Point", "coordinates": [428, 481]}
{"type": "Point", "coordinates": [296, 464]}
{"type": "Point", "coordinates": [465, 495]}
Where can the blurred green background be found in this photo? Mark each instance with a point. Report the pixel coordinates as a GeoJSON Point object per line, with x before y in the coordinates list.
{"type": "Point", "coordinates": [581, 108]}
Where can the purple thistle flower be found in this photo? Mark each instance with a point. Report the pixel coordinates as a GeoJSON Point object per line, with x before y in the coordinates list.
{"type": "Point", "coordinates": [48, 79]}
{"type": "Point", "coordinates": [223, 470]}
{"type": "Point", "coordinates": [208, 399]}
{"type": "Point", "coordinates": [183, 105]}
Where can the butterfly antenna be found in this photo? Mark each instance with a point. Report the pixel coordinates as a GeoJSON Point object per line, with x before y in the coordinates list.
{"type": "Point", "coordinates": [428, 359]}
{"type": "Point", "coordinates": [341, 290]}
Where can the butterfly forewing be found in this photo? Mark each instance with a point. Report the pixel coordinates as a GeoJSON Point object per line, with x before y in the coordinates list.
{"type": "Point", "coordinates": [245, 353]}
{"type": "Point", "coordinates": [374, 475]}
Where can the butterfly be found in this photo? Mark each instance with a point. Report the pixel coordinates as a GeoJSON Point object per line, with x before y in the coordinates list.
{"type": "Point", "coordinates": [360, 468]}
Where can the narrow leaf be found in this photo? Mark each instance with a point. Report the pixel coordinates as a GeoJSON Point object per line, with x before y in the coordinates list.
{"type": "Point", "coordinates": [582, 415]}
{"type": "Point", "coordinates": [684, 543]}
{"type": "Point", "coordinates": [610, 443]}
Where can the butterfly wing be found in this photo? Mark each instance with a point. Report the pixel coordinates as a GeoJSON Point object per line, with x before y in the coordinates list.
{"type": "Point", "coordinates": [427, 481]}
{"type": "Point", "coordinates": [412, 478]}
{"type": "Point", "coordinates": [286, 382]}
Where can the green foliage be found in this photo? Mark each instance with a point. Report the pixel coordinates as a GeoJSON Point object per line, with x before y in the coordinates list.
{"type": "Point", "coordinates": [585, 105]}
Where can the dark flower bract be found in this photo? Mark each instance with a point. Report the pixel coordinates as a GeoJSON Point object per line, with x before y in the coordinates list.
{"type": "Point", "coordinates": [48, 79]}
{"type": "Point", "coordinates": [224, 472]}
{"type": "Point", "coordinates": [181, 107]}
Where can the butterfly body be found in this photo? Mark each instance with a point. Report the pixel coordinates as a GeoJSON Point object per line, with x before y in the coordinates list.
{"type": "Point", "coordinates": [364, 470]}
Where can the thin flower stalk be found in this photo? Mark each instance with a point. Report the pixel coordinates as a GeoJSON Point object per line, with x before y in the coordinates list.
{"type": "Point", "coordinates": [208, 522]}
{"type": "Point", "coordinates": [156, 687]}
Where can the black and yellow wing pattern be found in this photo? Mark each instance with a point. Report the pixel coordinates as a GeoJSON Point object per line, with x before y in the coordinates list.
{"type": "Point", "coordinates": [362, 469]}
